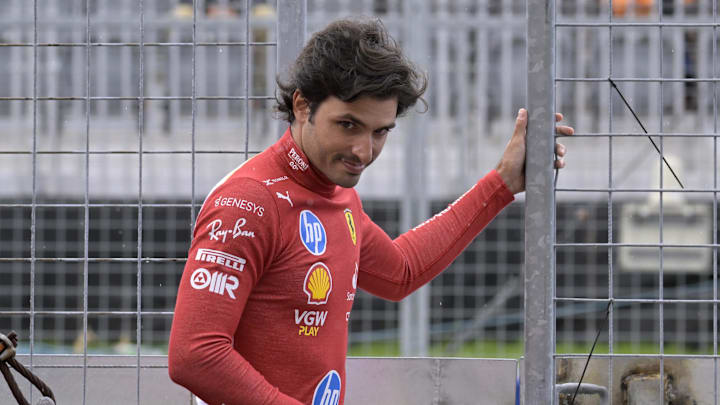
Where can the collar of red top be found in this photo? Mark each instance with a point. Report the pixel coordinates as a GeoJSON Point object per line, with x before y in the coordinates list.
{"type": "Point", "coordinates": [298, 167]}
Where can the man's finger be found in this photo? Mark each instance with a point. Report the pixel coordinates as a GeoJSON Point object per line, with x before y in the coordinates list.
{"type": "Point", "coordinates": [558, 117]}
{"type": "Point", "coordinates": [564, 130]}
{"type": "Point", "coordinates": [560, 149]}
{"type": "Point", "coordinates": [521, 121]}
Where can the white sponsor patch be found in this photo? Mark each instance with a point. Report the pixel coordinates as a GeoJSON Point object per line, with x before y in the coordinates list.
{"type": "Point", "coordinates": [270, 182]}
{"type": "Point", "coordinates": [217, 282]}
{"type": "Point", "coordinates": [246, 205]}
{"type": "Point", "coordinates": [221, 258]}
{"type": "Point", "coordinates": [310, 322]}
{"type": "Point", "coordinates": [220, 235]}
{"type": "Point", "coordinates": [310, 318]}
{"type": "Point", "coordinates": [441, 213]}
{"type": "Point", "coordinates": [351, 295]}
{"type": "Point", "coordinates": [355, 276]}
{"type": "Point", "coordinates": [297, 161]}
{"type": "Point", "coordinates": [285, 196]}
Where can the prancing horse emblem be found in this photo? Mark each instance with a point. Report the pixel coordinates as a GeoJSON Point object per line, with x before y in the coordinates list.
{"type": "Point", "coordinates": [351, 225]}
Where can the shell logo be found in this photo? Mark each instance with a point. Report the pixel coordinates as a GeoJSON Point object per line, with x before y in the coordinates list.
{"type": "Point", "coordinates": [318, 284]}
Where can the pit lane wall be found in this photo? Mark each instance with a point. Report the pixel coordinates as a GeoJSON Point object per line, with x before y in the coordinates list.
{"type": "Point", "coordinates": [110, 380]}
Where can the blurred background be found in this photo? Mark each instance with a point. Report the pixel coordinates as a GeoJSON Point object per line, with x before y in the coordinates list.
{"type": "Point", "coordinates": [98, 195]}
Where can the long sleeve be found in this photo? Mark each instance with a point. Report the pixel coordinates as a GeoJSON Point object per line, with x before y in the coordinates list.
{"type": "Point", "coordinates": [234, 240]}
{"type": "Point", "coordinates": [393, 269]}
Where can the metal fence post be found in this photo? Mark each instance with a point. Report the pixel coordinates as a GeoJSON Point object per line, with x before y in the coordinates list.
{"type": "Point", "coordinates": [415, 309]}
{"type": "Point", "coordinates": [538, 378]}
{"type": "Point", "coordinates": [291, 29]}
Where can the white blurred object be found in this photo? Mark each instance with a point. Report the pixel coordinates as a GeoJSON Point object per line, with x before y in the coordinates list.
{"type": "Point", "coordinates": [683, 223]}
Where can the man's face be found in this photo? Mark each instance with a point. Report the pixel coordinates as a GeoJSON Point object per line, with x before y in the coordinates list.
{"type": "Point", "coordinates": [345, 138]}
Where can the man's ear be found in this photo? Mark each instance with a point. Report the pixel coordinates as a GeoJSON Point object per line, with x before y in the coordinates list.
{"type": "Point", "coordinates": [301, 107]}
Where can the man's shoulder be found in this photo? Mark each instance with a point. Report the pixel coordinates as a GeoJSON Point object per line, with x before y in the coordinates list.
{"type": "Point", "coordinates": [260, 168]}
{"type": "Point", "coordinates": [244, 184]}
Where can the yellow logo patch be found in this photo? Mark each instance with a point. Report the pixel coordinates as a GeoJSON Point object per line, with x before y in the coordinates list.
{"type": "Point", "coordinates": [318, 284]}
{"type": "Point", "coordinates": [351, 225]}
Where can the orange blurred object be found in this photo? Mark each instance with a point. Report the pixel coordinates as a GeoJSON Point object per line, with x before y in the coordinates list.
{"type": "Point", "coordinates": [637, 7]}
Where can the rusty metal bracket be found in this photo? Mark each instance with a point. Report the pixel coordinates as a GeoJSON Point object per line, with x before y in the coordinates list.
{"type": "Point", "coordinates": [584, 388]}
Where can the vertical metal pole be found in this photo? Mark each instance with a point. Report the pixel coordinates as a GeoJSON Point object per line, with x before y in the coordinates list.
{"type": "Point", "coordinates": [247, 78]}
{"type": "Point", "coordinates": [611, 271]}
{"type": "Point", "coordinates": [33, 209]}
{"type": "Point", "coordinates": [86, 222]}
{"type": "Point", "coordinates": [141, 134]}
{"type": "Point", "coordinates": [661, 276]}
{"type": "Point", "coordinates": [193, 102]}
{"type": "Point", "coordinates": [715, 204]}
{"type": "Point", "coordinates": [538, 378]}
{"type": "Point", "coordinates": [715, 196]}
{"type": "Point", "coordinates": [415, 309]}
{"type": "Point", "coordinates": [291, 28]}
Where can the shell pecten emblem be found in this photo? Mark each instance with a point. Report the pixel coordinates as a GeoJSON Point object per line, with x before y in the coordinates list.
{"type": "Point", "coordinates": [318, 284]}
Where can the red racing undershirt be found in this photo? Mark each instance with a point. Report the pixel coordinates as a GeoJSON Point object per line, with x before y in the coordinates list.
{"type": "Point", "coordinates": [277, 254]}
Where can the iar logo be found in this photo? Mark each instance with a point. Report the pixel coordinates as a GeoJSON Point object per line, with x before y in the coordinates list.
{"type": "Point", "coordinates": [218, 282]}
{"type": "Point", "coordinates": [327, 391]}
{"type": "Point", "coordinates": [351, 225]}
{"type": "Point", "coordinates": [318, 284]}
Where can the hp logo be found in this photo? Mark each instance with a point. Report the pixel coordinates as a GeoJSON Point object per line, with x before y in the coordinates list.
{"type": "Point", "coordinates": [327, 391]}
{"type": "Point", "coordinates": [312, 233]}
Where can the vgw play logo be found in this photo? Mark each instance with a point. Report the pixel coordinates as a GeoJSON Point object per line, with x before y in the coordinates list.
{"type": "Point", "coordinates": [327, 391]}
{"type": "Point", "coordinates": [312, 233]}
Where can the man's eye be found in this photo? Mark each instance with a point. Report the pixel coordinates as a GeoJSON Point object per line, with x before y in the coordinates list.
{"type": "Point", "coordinates": [347, 124]}
{"type": "Point", "coordinates": [383, 131]}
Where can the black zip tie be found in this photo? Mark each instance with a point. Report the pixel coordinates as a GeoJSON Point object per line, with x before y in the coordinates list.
{"type": "Point", "coordinates": [602, 327]}
{"type": "Point", "coordinates": [645, 130]}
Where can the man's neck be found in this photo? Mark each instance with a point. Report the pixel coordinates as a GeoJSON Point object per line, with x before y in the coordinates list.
{"type": "Point", "coordinates": [296, 132]}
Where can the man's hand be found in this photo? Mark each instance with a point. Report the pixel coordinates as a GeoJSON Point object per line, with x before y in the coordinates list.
{"type": "Point", "coordinates": [512, 165]}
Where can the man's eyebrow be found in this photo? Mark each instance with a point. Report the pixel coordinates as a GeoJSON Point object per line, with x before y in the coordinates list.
{"type": "Point", "coordinates": [359, 122]}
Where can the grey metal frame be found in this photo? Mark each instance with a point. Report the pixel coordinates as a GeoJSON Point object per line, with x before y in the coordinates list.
{"type": "Point", "coordinates": [538, 366]}
{"type": "Point", "coordinates": [415, 310]}
{"type": "Point", "coordinates": [291, 29]}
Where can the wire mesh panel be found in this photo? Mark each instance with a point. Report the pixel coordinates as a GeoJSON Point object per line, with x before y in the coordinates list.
{"type": "Point", "coordinates": [192, 130]}
{"type": "Point", "coordinates": [112, 111]}
{"type": "Point", "coordinates": [117, 117]}
{"type": "Point", "coordinates": [635, 244]}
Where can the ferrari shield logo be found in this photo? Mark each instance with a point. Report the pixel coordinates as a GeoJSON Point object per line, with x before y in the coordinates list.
{"type": "Point", "coordinates": [351, 225]}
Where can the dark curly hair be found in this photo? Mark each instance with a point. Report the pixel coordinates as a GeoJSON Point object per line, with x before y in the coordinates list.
{"type": "Point", "coordinates": [351, 58]}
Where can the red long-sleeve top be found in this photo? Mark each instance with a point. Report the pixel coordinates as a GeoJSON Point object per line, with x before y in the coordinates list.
{"type": "Point", "coordinates": [278, 251]}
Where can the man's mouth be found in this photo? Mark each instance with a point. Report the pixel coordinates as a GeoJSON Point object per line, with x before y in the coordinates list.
{"type": "Point", "coordinates": [353, 167]}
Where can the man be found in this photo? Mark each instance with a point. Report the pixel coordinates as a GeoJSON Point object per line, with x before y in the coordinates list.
{"type": "Point", "coordinates": [282, 242]}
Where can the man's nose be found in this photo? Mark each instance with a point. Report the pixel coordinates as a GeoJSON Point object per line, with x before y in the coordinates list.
{"type": "Point", "coordinates": [363, 148]}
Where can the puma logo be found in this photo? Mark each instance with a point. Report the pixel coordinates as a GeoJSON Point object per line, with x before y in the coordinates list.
{"type": "Point", "coordinates": [285, 196]}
